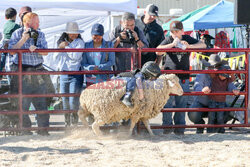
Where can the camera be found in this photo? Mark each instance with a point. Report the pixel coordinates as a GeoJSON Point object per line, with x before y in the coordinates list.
{"type": "Point", "coordinates": [130, 36]}
{"type": "Point", "coordinates": [33, 33]}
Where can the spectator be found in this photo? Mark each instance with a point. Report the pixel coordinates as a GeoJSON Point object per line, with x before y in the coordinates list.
{"type": "Point", "coordinates": [9, 27]}
{"type": "Point", "coordinates": [70, 61]}
{"type": "Point", "coordinates": [30, 37]}
{"type": "Point", "coordinates": [178, 61]}
{"type": "Point", "coordinates": [24, 10]}
{"type": "Point", "coordinates": [220, 82]}
{"type": "Point", "coordinates": [152, 31]}
{"type": "Point", "coordinates": [100, 61]}
{"type": "Point", "coordinates": [127, 35]}
{"type": "Point", "coordinates": [202, 83]}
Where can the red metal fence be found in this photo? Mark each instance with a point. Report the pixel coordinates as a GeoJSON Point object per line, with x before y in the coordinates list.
{"type": "Point", "coordinates": [135, 62]}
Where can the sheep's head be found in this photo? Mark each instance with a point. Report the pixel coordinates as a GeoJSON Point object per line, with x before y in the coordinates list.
{"type": "Point", "coordinates": [173, 83]}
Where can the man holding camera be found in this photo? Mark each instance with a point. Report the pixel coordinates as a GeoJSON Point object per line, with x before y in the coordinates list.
{"type": "Point", "coordinates": [30, 37]}
{"type": "Point", "coordinates": [127, 35]}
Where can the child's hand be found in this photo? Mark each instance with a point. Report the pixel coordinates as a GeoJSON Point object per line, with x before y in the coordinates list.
{"type": "Point", "coordinates": [206, 90]}
{"type": "Point", "coordinates": [236, 92]}
{"type": "Point", "coordinates": [141, 96]}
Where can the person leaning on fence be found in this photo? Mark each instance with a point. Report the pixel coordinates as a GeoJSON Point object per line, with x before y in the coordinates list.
{"type": "Point", "coordinates": [219, 83]}
{"type": "Point", "coordinates": [178, 61]}
{"type": "Point", "coordinates": [152, 31]}
{"type": "Point", "coordinates": [9, 27]}
{"type": "Point", "coordinates": [100, 61]}
{"type": "Point", "coordinates": [149, 71]}
{"type": "Point", "coordinates": [202, 83]}
{"type": "Point", "coordinates": [30, 37]}
{"type": "Point", "coordinates": [127, 35]}
{"type": "Point", "coordinates": [70, 61]}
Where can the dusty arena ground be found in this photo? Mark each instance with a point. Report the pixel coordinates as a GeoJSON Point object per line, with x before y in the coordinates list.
{"type": "Point", "coordinates": [80, 147]}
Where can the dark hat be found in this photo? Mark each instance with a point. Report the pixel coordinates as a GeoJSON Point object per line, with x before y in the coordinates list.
{"type": "Point", "coordinates": [176, 26]}
{"type": "Point", "coordinates": [224, 67]}
{"type": "Point", "coordinates": [214, 61]}
{"type": "Point", "coordinates": [151, 9]}
{"type": "Point", "coordinates": [97, 29]}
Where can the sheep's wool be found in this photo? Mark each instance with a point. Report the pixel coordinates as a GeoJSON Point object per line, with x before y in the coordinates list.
{"type": "Point", "coordinates": [103, 101]}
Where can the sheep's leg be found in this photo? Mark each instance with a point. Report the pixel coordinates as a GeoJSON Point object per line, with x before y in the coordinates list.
{"type": "Point", "coordinates": [96, 127]}
{"type": "Point", "coordinates": [134, 120]}
{"type": "Point", "coordinates": [146, 123]}
{"type": "Point", "coordinates": [82, 115]}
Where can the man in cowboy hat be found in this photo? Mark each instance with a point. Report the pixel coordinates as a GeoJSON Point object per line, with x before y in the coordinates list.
{"type": "Point", "coordinates": [202, 83]}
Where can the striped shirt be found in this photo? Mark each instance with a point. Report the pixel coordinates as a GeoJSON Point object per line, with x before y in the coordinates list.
{"type": "Point", "coordinates": [32, 59]}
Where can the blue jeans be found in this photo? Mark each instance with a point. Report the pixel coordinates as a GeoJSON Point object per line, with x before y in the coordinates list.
{"type": "Point", "coordinates": [197, 117]}
{"type": "Point", "coordinates": [70, 84]}
{"type": "Point", "coordinates": [3, 59]}
{"type": "Point", "coordinates": [216, 117]}
{"type": "Point", "coordinates": [180, 102]}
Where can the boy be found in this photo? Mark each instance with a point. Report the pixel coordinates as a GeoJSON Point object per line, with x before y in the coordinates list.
{"type": "Point", "coordinates": [9, 27]}
{"type": "Point", "coordinates": [220, 82]}
{"type": "Point", "coordinates": [150, 70]}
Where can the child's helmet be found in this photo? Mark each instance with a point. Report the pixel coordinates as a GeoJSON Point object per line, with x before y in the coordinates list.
{"type": "Point", "coordinates": [151, 69]}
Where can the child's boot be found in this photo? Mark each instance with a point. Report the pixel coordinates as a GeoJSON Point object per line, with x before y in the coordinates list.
{"type": "Point", "coordinates": [127, 99]}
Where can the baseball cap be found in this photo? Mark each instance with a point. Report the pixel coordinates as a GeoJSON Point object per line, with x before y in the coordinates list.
{"type": "Point", "coordinates": [176, 26]}
{"type": "Point", "coordinates": [151, 9]}
{"type": "Point", "coordinates": [224, 67]}
{"type": "Point", "coordinates": [97, 29]}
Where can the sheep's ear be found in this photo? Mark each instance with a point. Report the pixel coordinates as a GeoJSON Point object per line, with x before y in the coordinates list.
{"type": "Point", "coordinates": [170, 83]}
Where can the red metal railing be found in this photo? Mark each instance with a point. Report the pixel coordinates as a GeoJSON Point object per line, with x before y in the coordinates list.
{"type": "Point", "coordinates": [136, 62]}
{"type": "Point", "coordinates": [20, 96]}
{"type": "Point", "coordinates": [245, 71]}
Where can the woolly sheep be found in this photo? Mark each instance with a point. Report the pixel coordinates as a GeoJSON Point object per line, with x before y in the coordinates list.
{"type": "Point", "coordinates": [103, 102]}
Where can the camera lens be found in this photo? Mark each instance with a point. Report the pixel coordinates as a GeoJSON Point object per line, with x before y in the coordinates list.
{"type": "Point", "coordinates": [130, 36]}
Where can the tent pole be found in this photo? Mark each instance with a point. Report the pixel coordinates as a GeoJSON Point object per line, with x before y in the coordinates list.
{"type": "Point", "coordinates": [247, 35]}
{"type": "Point", "coordinates": [109, 21]}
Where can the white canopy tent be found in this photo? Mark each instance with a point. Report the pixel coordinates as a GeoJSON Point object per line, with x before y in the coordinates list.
{"type": "Point", "coordinates": [99, 5]}
{"type": "Point", "coordinates": [54, 14]}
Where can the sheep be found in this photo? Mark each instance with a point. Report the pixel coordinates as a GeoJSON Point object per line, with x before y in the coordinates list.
{"type": "Point", "coordinates": [103, 102]}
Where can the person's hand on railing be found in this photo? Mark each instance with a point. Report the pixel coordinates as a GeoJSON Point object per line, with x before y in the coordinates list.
{"type": "Point", "coordinates": [32, 48]}
{"type": "Point", "coordinates": [206, 90]}
{"type": "Point", "coordinates": [236, 92]}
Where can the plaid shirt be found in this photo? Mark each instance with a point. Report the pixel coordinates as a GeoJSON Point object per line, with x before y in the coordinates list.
{"type": "Point", "coordinates": [222, 40]}
{"type": "Point", "coordinates": [32, 59]}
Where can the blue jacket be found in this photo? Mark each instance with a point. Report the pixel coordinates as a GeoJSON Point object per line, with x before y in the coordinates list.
{"type": "Point", "coordinates": [106, 62]}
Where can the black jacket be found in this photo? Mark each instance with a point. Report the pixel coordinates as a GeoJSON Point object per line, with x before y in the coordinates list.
{"type": "Point", "coordinates": [154, 35]}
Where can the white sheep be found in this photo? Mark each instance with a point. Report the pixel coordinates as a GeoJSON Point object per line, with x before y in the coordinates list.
{"type": "Point", "coordinates": [103, 101]}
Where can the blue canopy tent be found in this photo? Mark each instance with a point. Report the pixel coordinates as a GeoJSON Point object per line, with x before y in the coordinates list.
{"type": "Point", "coordinates": [220, 15]}
{"type": "Point", "coordinates": [182, 18]}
